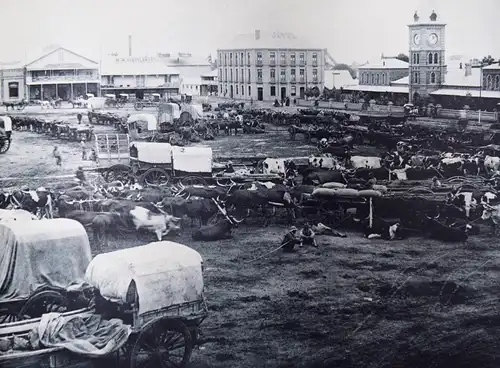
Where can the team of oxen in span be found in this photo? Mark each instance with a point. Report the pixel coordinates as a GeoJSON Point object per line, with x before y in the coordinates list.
{"type": "Point", "coordinates": [118, 208]}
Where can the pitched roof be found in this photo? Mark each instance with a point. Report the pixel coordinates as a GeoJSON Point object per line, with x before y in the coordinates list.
{"type": "Point", "coordinates": [386, 63]}
{"type": "Point", "coordinates": [455, 77]}
{"type": "Point", "coordinates": [61, 50]}
{"type": "Point", "coordinates": [213, 73]}
{"type": "Point", "coordinates": [338, 78]}
{"type": "Point", "coordinates": [270, 40]}
{"type": "Point", "coordinates": [136, 66]}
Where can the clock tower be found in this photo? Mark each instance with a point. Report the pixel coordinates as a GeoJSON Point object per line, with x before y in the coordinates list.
{"type": "Point", "coordinates": [427, 67]}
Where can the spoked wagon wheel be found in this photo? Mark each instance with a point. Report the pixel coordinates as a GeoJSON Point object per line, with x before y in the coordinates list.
{"type": "Point", "coordinates": [138, 106]}
{"type": "Point", "coordinates": [155, 176]}
{"type": "Point", "coordinates": [164, 343]}
{"type": "Point", "coordinates": [4, 145]}
{"type": "Point", "coordinates": [118, 172]}
{"type": "Point", "coordinates": [330, 214]}
{"type": "Point", "coordinates": [291, 130]}
{"type": "Point", "coordinates": [7, 316]}
{"type": "Point", "coordinates": [44, 302]}
{"type": "Point", "coordinates": [193, 180]}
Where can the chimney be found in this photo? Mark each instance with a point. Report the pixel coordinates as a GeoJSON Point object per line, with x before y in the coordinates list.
{"type": "Point", "coordinates": [460, 65]}
{"type": "Point", "coordinates": [129, 45]}
{"type": "Point", "coordinates": [468, 70]}
{"type": "Point", "coordinates": [383, 63]}
{"type": "Point", "coordinates": [257, 34]}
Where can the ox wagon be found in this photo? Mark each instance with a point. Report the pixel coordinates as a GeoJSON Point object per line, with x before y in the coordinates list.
{"type": "Point", "coordinates": [39, 264]}
{"type": "Point", "coordinates": [5, 133]}
{"type": "Point", "coordinates": [152, 293]}
{"type": "Point", "coordinates": [153, 101]}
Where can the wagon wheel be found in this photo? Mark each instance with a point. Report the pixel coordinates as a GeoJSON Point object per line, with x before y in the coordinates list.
{"type": "Point", "coordinates": [329, 215]}
{"type": "Point", "coordinates": [44, 302]}
{"type": "Point", "coordinates": [7, 316]}
{"type": "Point", "coordinates": [163, 343]}
{"type": "Point", "coordinates": [4, 145]}
{"type": "Point", "coordinates": [155, 176]}
{"type": "Point", "coordinates": [307, 136]}
{"type": "Point", "coordinates": [193, 180]}
{"type": "Point", "coordinates": [292, 132]}
{"type": "Point", "coordinates": [122, 173]}
{"type": "Point", "coordinates": [138, 106]}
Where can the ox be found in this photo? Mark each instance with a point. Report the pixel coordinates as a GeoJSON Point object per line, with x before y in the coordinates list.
{"type": "Point", "coordinates": [274, 166]}
{"type": "Point", "coordinates": [329, 163]}
{"type": "Point", "coordinates": [37, 201]}
{"type": "Point", "coordinates": [438, 231]}
{"type": "Point", "coordinates": [493, 213]}
{"type": "Point", "coordinates": [219, 231]}
{"type": "Point", "coordinates": [365, 162]}
{"type": "Point", "coordinates": [160, 224]}
{"type": "Point", "coordinates": [322, 229]}
{"type": "Point", "coordinates": [491, 164]}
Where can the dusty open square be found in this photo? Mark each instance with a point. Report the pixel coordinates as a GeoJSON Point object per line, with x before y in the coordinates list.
{"type": "Point", "coordinates": [352, 302]}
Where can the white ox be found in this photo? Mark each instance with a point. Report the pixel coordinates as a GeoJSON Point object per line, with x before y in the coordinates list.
{"type": "Point", "coordinates": [16, 215]}
{"type": "Point", "coordinates": [493, 213]}
{"type": "Point", "coordinates": [368, 162]}
{"type": "Point", "coordinates": [491, 163]}
{"type": "Point", "coordinates": [160, 224]}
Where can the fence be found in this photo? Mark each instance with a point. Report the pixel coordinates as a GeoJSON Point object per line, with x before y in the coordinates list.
{"type": "Point", "coordinates": [486, 116]}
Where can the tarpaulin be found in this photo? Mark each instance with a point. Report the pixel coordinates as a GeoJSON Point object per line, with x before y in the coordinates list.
{"type": "Point", "coordinates": [52, 252]}
{"type": "Point", "coordinates": [89, 335]}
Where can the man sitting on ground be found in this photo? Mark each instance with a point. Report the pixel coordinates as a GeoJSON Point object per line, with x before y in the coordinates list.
{"type": "Point", "coordinates": [307, 236]}
{"type": "Point", "coordinates": [290, 239]}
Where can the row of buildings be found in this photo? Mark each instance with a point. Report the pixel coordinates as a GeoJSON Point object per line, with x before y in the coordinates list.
{"type": "Point", "coordinates": [65, 74]}
{"type": "Point", "coordinates": [430, 75]}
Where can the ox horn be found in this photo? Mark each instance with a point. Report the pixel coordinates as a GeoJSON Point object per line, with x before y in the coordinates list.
{"type": "Point", "coordinates": [220, 184]}
{"type": "Point", "coordinates": [237, 221]}
{"type": "Point", "coordinates": [181, 185]}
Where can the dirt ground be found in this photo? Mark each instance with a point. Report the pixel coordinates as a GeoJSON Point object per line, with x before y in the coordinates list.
{"type": "Point", "coordinates": [350, 303]}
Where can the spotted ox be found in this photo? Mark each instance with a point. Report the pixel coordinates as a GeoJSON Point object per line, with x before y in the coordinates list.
{"type": "Point", "coordinates": [493, 213]}
{"type": "Point", "coordinates": [160, 224]}
{"type": "Point", "coordinates": [491, 164]}
{"type": "Point", "coordinates": [329, 163]}
{"type": "Point", "coordinates": [365, 162]}
{"type": "Point", "coordinates": [274, 166]}
{"type": "Point", "coordinates": [37, 201]}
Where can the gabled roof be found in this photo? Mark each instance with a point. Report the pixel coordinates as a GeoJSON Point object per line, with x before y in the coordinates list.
{"type": "Point", "coordinates": [386, 63]}
{"type": "Point", "coordinates": [61, 58]}
{"type": "Point", "coordinates": [338, 79]}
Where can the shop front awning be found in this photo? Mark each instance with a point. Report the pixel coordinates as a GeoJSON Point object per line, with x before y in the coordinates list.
{"type": "Point", "coordinates": [464, 92]}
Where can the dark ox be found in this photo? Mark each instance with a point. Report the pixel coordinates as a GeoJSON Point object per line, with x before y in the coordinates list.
{"type": "Point", "coordinates": [101, 223]}
{"type": "Point", "coordinates": [38, 201]}
{"type": "Point", "coordinates": [194, 208]}
{"type": "Point", "coordinates": [219, 231]}
{"type": "Point", "coordinates": [438, 231]}
{"type": "Point", "coordinates": [312, 177]}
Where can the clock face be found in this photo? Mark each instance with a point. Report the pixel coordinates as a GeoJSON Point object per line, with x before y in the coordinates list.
{"type": "Point", "coordinates": [433, 39]}
{"type": "Point", "coordinates": [416, 39]}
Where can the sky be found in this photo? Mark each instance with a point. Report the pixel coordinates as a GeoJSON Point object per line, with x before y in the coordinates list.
{"type": "Point", "coordinates": [351, 30]}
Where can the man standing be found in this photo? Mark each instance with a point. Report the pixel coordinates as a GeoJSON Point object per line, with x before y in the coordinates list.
{"type": "Point", "coordinates": [57, 156]}
{"type": "Point", "coordinates": [79, 118]}
{"type": "Point", "coordinates": [83, 146]}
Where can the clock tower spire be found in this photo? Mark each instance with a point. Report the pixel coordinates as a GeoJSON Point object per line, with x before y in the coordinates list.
{"type": "Point", "coordinates": [427, 65]}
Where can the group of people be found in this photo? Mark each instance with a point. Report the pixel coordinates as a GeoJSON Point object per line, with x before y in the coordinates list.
{"type": "Point", "coordinates": [295, 237]}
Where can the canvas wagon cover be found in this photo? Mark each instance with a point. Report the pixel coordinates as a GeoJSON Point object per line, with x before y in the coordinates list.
{"type": "Point", "coordinates": [192, 159]}
{"type": "Point", "coordinates": [52, 252]}
{"type": "Point", "coordinates": [196, 111]}
{"type": "Point", "coordinates": [165, 274]}
{"type": "Point", "coordinates": [169, 112]}
{"type": "Point", "coordinates": [7, 123]}
{"type": "Point", "coordinates": [148, 118]}
{"type": "Point", "coordinates": [153, 152]}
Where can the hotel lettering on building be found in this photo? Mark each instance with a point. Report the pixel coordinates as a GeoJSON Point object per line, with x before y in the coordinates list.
{"type": "Point", "coordinates": [268, 66]}
{"type": "Point", "coordinates": [65, 74]}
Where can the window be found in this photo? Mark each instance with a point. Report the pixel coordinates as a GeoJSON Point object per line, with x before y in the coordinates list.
{"type": "Point", "coordinates": [249, 90]}
{"type": "Point", "coordinates": [248, 58]}
{"type": "Point", "coordinates": [236, 58]}
{"type": "Point", "coordinates": [249, 76]}
{"type": "Point", "coordinates": [497, 82]}
{"type": "Point", "coordinates": [220, 74]}
{"type": "Point", "coordinates": [225, 58]}
{"type": "Point", "coordinates": [259, 74]}
{"type": "Point", "coordinates": [315, 59]}
{"type": "Point", "coordinates": [283, 75]}
{"type": "Point", "coordinates": [259, 57]}
{"type": "Point", "coordinates": [14, 90]}
{"type": "Point", "coordinates": [236, 75]}
{"type": "Point", "coordinates": [225, 75]}
{"type": "Point", "coordinates": [241, 61]}
{"type": "Point", "coordinates": [377, 79]}
{"type": "Point", "coordinates": [488, 87]}
{"type": "Point", "coordinates": [283, 58]}
{"type": "Point", "coordinates": [236, 89]}
{"type": "Point", "coordinates": [220, 88]}
{"type": "Point", "coordinates": [302, 58]}
{"type": "Point", "coordinates": [292, 59]}
{"type": "Point", "coordinates": [315, 74]}
{"type": "Point", "coordinates": [430, 58]}
{"type": "Point", "coordinates": [294, 91]}
{"type": "Point", "coordinates": [435, 58]}
{"type": "Point", "coordinates": [242, 90]}
{"type": "Point", "coordinates": [272, 58]}
{"type": "Point", "coordinates": [230, 58]}
{"type": "Point", "coordinates": [433, 78]}
{"type": "Point", "coordinates": [484, 81]}
{"type": "Point", "coordinates": [220, 57]}
{"type": "Point", "coordinates": [231, 75]}
{"type": "Point", "coordinates": [416, 78]}
{"type": "Point", "coordinates": [292, 74]}
{"type": "Point", "coordinates": [418, 58]}
{"type": "Point", "coordinates": [242, 74]}
{"type": "Point", "coordinates": [383, 78]}
{"type": "Point", "coordinates": [272, 73]}
{"type": "Point", "coordinates": [373, 78]}
{"type": "Point", "coordinates": [301, 73]}
{"type": "Point", "coordinates": [273, 91]}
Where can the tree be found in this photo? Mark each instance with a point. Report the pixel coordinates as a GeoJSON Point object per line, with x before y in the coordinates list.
{"type": "Point", "coordinates": [403, 57]}
{"type": "Point", "coordinates": [345, 67]}
{"type": "Point", "coordinates": [488, 60]}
